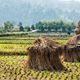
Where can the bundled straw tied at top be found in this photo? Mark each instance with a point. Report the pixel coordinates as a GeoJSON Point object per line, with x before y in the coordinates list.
{"type": "Point", "coordinates": [44, 55]}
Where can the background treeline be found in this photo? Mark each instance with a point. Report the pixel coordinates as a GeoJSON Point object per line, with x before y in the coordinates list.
{"type": "Point", "coordinates": [41, 26]}
{"type": "Point", "coordinates": [55, 26]}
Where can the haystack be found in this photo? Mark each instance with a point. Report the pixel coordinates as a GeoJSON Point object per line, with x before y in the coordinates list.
{"type": "Point", "coordinates": [72, 49]}
{"type": "Point", "coordinates": [44, 55]}
{"type": "Point", "coordinates": [77, 29]}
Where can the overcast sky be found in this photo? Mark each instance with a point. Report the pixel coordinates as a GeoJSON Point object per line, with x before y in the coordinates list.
{"type": "Point", "coordinates": [18, 2]}
{"type": "Point", "coordinates": [10, 9]}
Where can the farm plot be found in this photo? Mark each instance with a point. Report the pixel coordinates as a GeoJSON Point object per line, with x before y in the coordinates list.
{"type": "Point", "coordinates": [11, 69]}
{"type": "Point", "coordinates": [18, 45]}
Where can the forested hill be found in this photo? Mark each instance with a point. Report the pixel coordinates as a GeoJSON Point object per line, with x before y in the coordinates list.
{"type": "Point", "coordinates": [31, 11]}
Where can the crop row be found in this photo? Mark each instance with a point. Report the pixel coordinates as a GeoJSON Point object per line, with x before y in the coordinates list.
{"type": "Point", "coordinates": [11, 68]}
{"type": "Point", "coordinates": [30, 37]}
{"type": "Point", "coordinates": [16, 41]}
{"type": "Point", "coordinates": [25, 41]}
{"type": "Point", "coordinates": [10, 49]}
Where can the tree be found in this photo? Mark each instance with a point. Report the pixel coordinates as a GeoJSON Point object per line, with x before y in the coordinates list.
{"type": "Point", "coordinates": [49, 28]}
{"type": "Point", "coordinates": [8, 26]}
{"type": "Point", "coordinates": [21, 28]}
{"type": "Point", "coordinates": [56, 25]}
{"type": "Point", "coordinates": [32, 27]}
{"type": "Point", "coordinates": [27, 28]}
{"type": "Point", "coordinates": [40, 26]}
{"type": "Point", "coordinates": [1, 29]}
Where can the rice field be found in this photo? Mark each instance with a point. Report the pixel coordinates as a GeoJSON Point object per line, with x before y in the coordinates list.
{"type": "Point", "coordinates": [11, 67]}
{"type": "Point", "coordinates": [18, 45]}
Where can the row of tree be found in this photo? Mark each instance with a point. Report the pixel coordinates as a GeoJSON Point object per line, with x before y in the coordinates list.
{"type": "Point", "coordinates": [56, 26]}
{"type": "Point", "coordinates": [41, 26]}
{"type": "Point", "coordinates": [10, 27]}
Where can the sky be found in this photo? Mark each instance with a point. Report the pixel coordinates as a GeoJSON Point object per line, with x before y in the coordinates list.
{"type": "Point", "coordinates": [13, 3]}
{"type": "Point", "coordinates": [10, 9]}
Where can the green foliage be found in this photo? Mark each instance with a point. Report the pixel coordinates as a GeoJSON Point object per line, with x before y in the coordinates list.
{"type": "Point", "coordinates": [1, 29]}
{"type": "Point", "coordinates": [42, 26]}
{"type": "Point", "coordinates": [8, 26]}
{"type": "Point", "coordinates": [32, 27]}
{"type": "Point", "coordinates": [56, 26]}
{"type": "Point", "coordinates": [27, 28]}
{"type": "Point", "coordinates": [21, 28]}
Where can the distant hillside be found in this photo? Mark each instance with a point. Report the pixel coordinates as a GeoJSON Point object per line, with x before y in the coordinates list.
{"type": "Point", "coordinates": [31, 11]}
